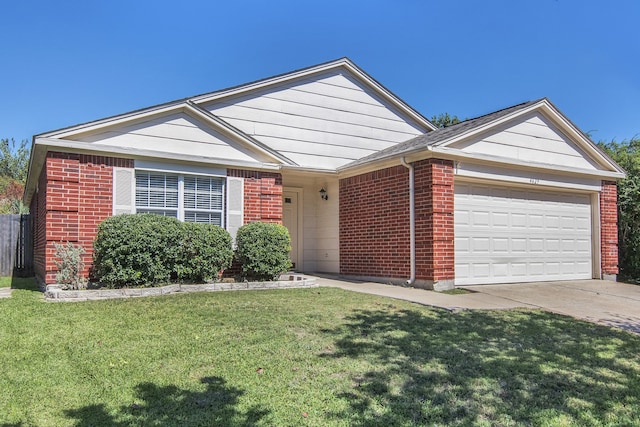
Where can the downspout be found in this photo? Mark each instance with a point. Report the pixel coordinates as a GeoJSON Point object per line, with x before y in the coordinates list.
{"type": "Point", "coordinates": [412, 219]}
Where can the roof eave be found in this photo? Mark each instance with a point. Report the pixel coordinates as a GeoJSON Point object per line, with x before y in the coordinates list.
{"type": "Point", "coordinates": [41, 146]}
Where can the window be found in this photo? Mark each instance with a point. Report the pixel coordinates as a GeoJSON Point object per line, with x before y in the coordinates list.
{"type": "Point", "coordinates": [203, 199]}
{"type": "Point", "coordinates": [186, 197]}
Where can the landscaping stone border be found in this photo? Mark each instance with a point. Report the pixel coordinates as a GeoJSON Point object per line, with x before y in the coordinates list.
{"type": "Point", "coordinates": [55, 293]}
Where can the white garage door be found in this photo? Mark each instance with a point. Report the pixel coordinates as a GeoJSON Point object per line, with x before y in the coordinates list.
{"type": "Point", "coordinates": [507, 235]}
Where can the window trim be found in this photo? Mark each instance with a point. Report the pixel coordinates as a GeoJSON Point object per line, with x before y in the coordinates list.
{"type": "Point", "coordinates": [180, 210]}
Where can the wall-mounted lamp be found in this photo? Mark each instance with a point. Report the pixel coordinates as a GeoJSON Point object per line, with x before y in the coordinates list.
{"type": "Point", "coordinates": [323, 194]}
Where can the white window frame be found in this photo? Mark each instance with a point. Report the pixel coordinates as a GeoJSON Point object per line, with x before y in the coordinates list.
{"type": "Point", "coordinates": [180, 210]}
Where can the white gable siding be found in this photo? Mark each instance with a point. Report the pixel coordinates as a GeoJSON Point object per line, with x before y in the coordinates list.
{"type": "Point", "coordinates": [534, 139]}
{"type": "Point", "coordinates": [323, 122]}
{"type": "Point", "coordinates": [173, 134]}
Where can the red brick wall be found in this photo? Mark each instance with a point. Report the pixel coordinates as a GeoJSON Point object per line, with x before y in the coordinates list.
{"type": "Point", "coordinates": [609, 228]}
{"type": "Point", "coordinates": [375, 229]}
{"type": "Point", "coordinates": [374, 224]}
{"type": "Point", "coordinates": [74, 196]}
{"type": "Point", "coordinates": [262, 195]}
{"type": "Point", "coordinates": [434, 220]}
{"type": "Point", "coordinates": [39, 209]}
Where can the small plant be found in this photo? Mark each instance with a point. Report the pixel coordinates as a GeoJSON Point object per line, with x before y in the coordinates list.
{"type": "Point", "coordinates": [263, 250]}
{"type": "Point", "coordinates": [70, 265]}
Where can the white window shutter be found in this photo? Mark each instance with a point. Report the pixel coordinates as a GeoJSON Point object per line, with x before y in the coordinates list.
{"type": "Point", "coordinates": [235, 205]}
{"type": "Point", "coordinates": [123, 191]}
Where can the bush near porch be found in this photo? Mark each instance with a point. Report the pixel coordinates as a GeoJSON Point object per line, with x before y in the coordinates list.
{"type": "Point", "coordinates": [149, 249]}
{"type": "Point", "coordinates": [263, 250]}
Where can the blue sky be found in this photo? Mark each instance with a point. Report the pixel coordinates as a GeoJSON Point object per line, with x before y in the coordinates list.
{"type": "Point", "coordinates": [69, 62]}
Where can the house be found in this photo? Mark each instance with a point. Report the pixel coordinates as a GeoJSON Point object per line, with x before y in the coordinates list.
{"type": "Point", "coordinates": [365, 184]}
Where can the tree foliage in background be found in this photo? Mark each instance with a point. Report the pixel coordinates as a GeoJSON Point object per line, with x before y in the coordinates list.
{"type": "Point", "coordinates": [14, 164]}
{"type": "Point", "coordinates": [444, 120]}
{"type": "Point", "coordinates": [627, 155]}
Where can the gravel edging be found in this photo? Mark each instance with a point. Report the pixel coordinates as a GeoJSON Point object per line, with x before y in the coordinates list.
{"type": "Point", "coordinates": [55, 293]}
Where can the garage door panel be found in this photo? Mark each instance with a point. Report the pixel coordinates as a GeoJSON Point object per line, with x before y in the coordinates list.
{"type": "Point", "coordinates": [509, 235]}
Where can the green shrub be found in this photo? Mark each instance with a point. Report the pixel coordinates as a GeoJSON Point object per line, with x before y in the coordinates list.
{"type": "Point", "coordinates": [70, 265]}
{"type": "Point", "coordinates": [263, 250]}
{"type": "Point", "coordinates": [148, 249]}
{"type": "Point", "coordinates": [136, 250]}
{"type": "Point", "coordinates": [206, 250]}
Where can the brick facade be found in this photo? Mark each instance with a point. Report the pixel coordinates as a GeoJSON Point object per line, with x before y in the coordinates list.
{"type": "Point", "coordinates": [74, 196]}
{"type": "Point", "coordinates": [434, 220]}
{"type": "Point", "coordinates": [374, 223]}
{"type": "Point", "coordinates": [609, 228]}
{"type": "Point", "coordinates": [262, 195]}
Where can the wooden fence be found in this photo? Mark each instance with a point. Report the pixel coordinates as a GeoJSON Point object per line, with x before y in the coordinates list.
{"type": "Point", "coordinates": [16, 245]}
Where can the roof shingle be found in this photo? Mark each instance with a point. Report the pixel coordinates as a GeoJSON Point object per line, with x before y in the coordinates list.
{"type": "Point", "coordinates": [439, 136]}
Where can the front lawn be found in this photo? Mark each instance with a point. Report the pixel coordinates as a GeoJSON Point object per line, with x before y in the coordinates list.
{"type": "Point", "coordinates": [312, 357]}
{"type": "Point", "coordinates": [18, 282]}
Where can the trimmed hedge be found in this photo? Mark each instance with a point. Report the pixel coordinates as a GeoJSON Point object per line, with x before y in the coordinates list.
{"type": "Point", "coordinates": [263, 250]}
{"type": "Point", "coordinates": [149, 249]}
{"type": "Point", "coordinates": [206, 250]}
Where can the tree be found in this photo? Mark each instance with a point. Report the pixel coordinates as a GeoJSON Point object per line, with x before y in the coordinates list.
{"type": "Point", "coordinates": [627, 155]}
{"type": "Point", "coordinates": [14, 164]}
{"type": "Point", "coordinates": [444, 120]}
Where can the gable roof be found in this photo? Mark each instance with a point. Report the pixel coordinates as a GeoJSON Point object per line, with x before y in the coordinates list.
{"type": "Point", "coordinates": [439, 140]}
{"type": "Point", "coordinates": [72, 137]}
{"type": "Point", "coordinates": [438, 136]}
{"type": "Point", "coordinates": [344, 63]}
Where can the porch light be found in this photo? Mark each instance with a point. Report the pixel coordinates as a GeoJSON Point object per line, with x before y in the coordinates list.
{"type": "Point", "coordinates": [323, 194]}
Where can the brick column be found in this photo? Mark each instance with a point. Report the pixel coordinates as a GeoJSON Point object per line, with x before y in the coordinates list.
{"type": "Point", "coordinates": [609, 230]}
{"type": "Point", "coordinates": [262, 195]}
{"type": "Point", "coordinates": [435, 263]}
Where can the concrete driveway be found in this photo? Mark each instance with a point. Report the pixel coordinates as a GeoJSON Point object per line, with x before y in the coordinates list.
{"type": "Point", "coordinates": [599, 301]}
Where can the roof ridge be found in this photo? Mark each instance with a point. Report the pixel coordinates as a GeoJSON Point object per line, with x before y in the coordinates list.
{"type": "Point", "coordinates": [515, 106]}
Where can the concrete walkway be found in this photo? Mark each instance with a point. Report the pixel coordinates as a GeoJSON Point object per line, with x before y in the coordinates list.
{"type": "Point", "coordinates": [472, 300]}
{"type": "Point", "coordinates": [5, 292]}
{"type": "Point", "coordinates": [604, 302]}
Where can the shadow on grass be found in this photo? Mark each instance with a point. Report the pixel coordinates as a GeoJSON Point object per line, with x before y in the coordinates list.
{"type": "Point", "coordinates": [487, 368]}
{"type": "Point", "coordinates": [170, 405]}
{"type": "Point", "coordinates": [24, 283]}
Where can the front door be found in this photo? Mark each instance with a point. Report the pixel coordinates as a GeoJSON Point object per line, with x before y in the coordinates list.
{"type": "Point", "coordinates": [290, 220]}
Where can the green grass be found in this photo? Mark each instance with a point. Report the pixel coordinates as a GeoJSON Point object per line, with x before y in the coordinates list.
{"type": "Point", "coordinates": [18, 282]}
{"type": "Point", "coordinates": [316, 357]}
